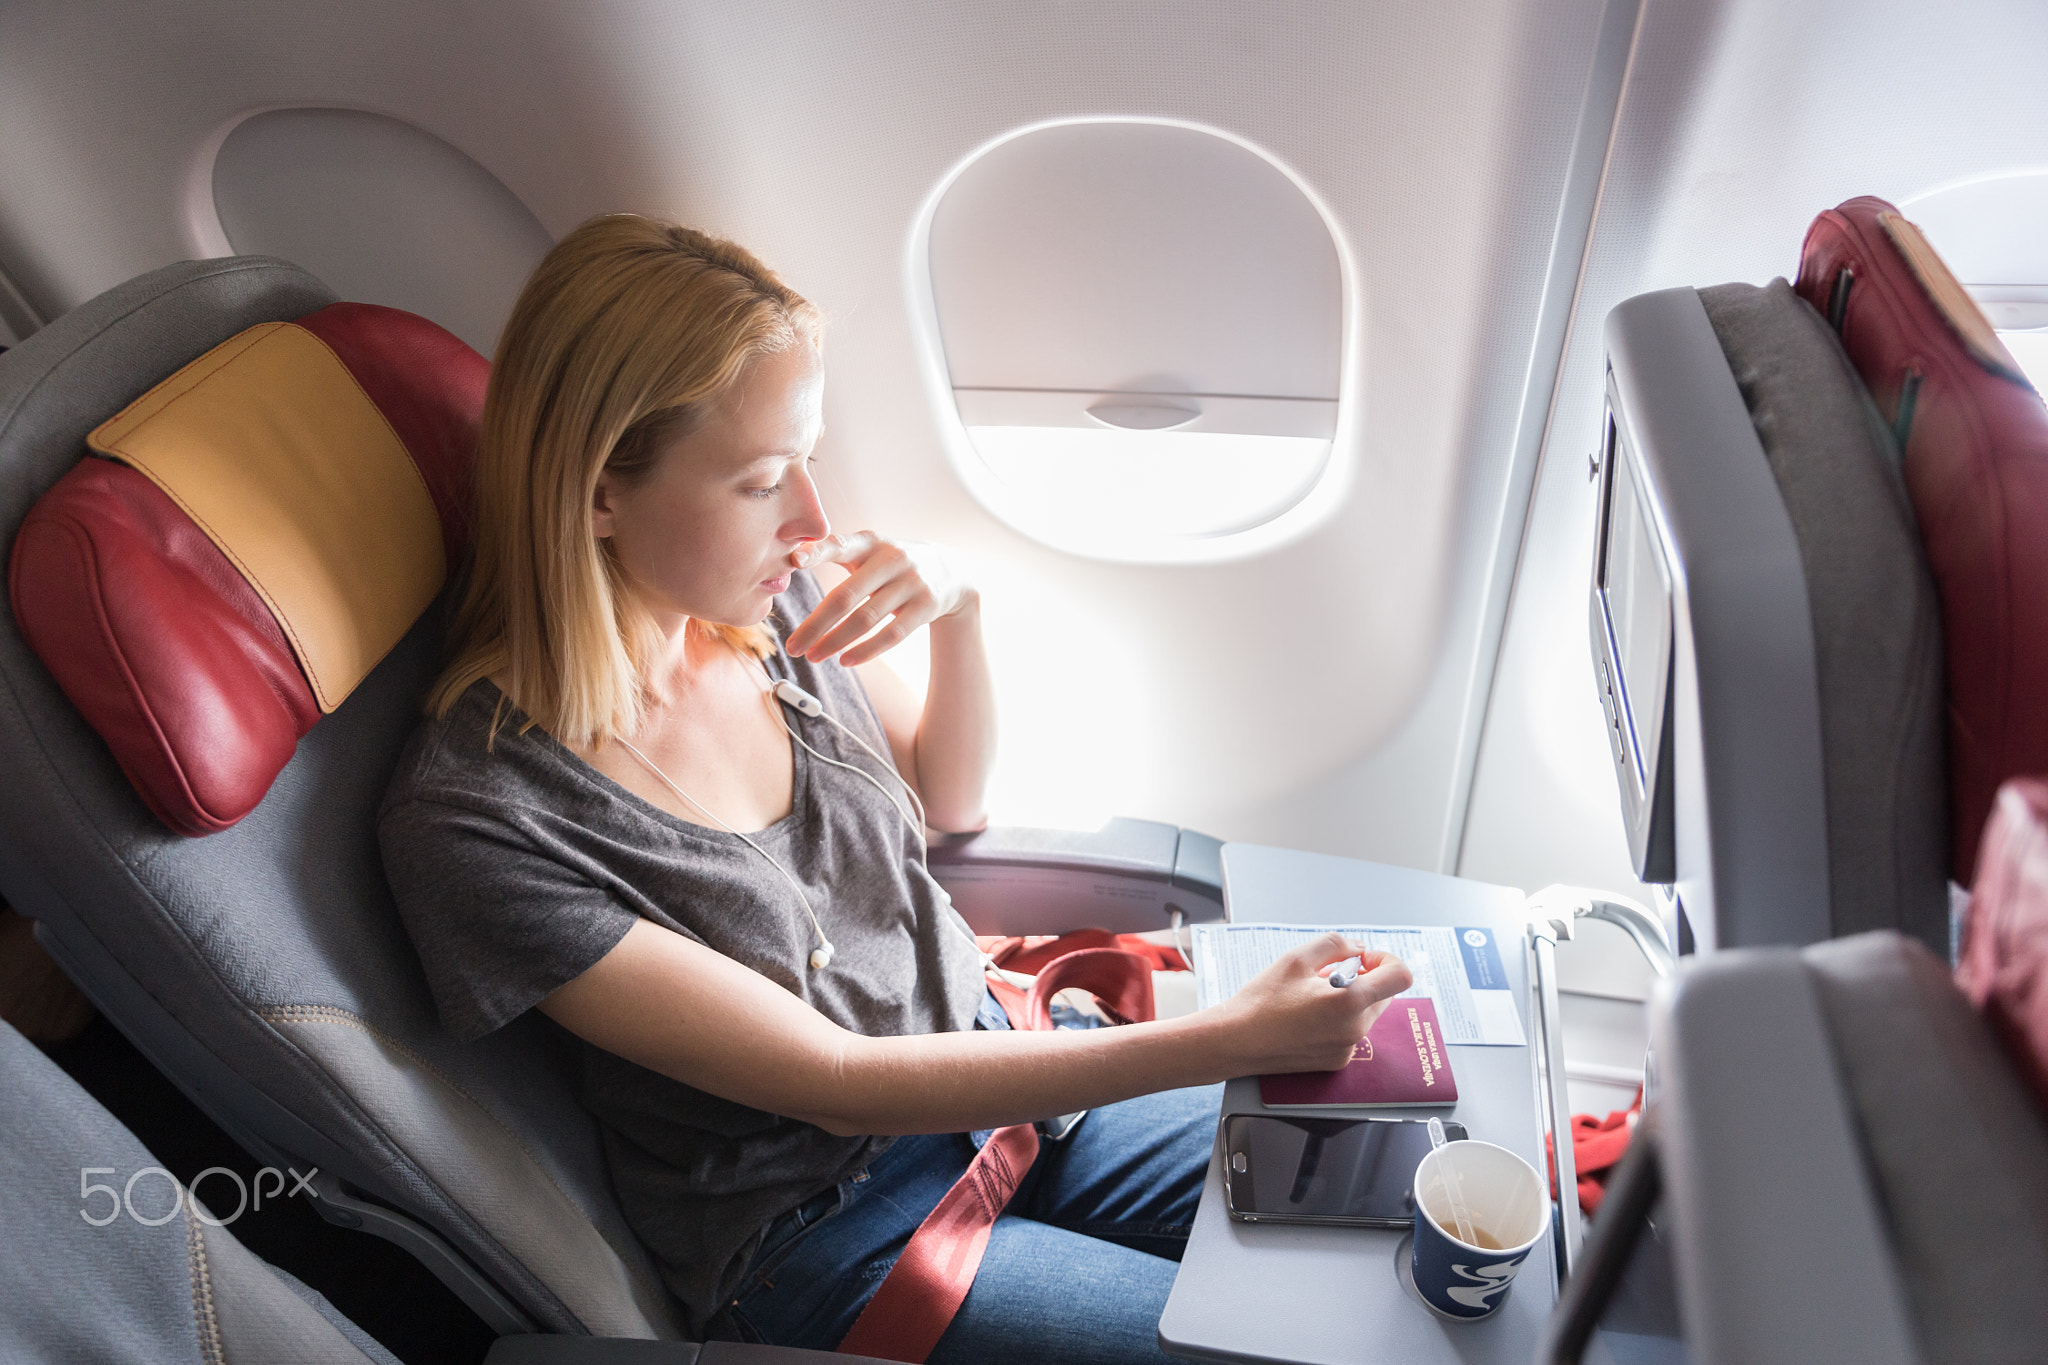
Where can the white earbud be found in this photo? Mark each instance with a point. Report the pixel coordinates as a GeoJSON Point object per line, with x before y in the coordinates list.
{"type": "Point", "coordinates": [821, 956]}
{"type": "Point", "coordinates": [789, 694]}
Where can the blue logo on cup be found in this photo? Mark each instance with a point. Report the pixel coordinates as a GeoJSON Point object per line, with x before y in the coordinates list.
{"type": "Point", "coordinates": [1505, 1204]}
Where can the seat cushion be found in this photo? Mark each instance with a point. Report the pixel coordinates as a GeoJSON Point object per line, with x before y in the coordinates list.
{"type": "Point", "coordinates": [1957, 1151]}
{"type": "Point", "coordinates": [274, 517]}
{"type": "Point", "coordinates": [2004, 960]}
{"type": "Point", "coordinates": [1975, 442]}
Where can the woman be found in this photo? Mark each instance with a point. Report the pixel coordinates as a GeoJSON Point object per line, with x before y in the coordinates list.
{"type": "Point", "coordinates": [609, 816]}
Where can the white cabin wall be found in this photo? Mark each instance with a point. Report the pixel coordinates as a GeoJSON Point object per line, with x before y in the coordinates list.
{"type": "Point", "coordinates": [105, 110]}
{"type": "Point", "coordinates": [1740, 123]}
{"type": "Point", "coordinates": [1189, 694]}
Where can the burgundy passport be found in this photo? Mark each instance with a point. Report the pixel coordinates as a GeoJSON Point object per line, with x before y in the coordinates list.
{"type": "Point", "coordinates": [1400, 1061]}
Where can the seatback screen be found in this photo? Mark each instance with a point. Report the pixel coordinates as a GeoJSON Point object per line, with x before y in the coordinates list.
{"type": "Point", "coordinates": [1637, 591]}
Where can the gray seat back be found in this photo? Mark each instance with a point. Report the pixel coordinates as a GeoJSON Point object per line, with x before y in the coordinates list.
{"type": "Point", "coordinates": [1854, 1171]}
{"type": "Point", "coordinates": [1875, 612]}
{"type": "Point", "coordinates": [106, 1259]}
{"type": "Point", "coordinates": [264, 969]}
{"type": "Point", "coordinates": [1955, 1148]}
{"type": "Point", "coordinates": [1799, 791]}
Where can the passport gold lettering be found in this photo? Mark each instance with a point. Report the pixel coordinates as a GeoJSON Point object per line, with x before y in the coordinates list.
{"type": "Point", "coordinates": [1422, 1049]}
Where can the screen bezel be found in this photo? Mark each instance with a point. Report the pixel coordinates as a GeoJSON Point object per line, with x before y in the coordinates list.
{"type": "Point", "coordinates": [1240, 1192]}
{"type": "Point", "coordinates": [1638, 728]}
{"type": "Point", "coordinates": [1638, 698]}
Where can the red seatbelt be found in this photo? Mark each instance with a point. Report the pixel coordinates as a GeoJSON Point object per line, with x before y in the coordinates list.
{"type": "Point", "coordinates": [924, 1289]}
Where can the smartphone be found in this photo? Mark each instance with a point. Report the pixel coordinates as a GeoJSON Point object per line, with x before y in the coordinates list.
{"type": "Point", "coordinates": [1288, 1168]}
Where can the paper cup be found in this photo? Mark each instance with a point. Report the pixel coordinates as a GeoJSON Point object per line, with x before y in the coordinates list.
{"type": "Point", "coordinates": [1505, 1198]}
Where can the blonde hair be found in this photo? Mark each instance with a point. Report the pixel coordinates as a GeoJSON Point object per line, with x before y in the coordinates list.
{"type": "Point", "coordinates": [624, 335]}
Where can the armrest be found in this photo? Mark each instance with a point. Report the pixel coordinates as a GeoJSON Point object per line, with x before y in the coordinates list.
{"type": "Point", "coordinates": [1578, 902]}
{"type": "Point", "coordinates": [1128, 877]}
{"type": "Point", "coordinates": [558, 1350]}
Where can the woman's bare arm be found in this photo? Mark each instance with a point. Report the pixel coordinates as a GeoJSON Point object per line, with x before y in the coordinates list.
{"type": "Point", "coordinates": [946, 747]}
{"type": "Point", "coordinates": [676, 1007]}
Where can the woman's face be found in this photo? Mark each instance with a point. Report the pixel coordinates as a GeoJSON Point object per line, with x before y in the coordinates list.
{"type": "Point", "coordinates": [709, 531]}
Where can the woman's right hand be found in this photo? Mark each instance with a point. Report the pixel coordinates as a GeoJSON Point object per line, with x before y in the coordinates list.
{"type": "Point", "coordinates": [1289, 1017]}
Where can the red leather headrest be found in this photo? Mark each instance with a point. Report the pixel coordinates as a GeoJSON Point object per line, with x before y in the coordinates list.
{"type": "Point", "coordinates": [176, 652]}
{"type": "Point", "coordinates": [2004, 967]}
{"type": "Point", "coordinates": [1975, 441]}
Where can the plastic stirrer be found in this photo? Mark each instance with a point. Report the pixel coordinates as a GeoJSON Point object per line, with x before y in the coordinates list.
{"type": "Point", "coordinates": [1454, 1186]}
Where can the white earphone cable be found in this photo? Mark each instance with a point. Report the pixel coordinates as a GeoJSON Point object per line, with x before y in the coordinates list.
{"type": "Point", "coordinates": [915, 823]}
{"type": "Point", "coordinates": [821, 956]}
{"type": "Point", "coordinates": [789, 694]}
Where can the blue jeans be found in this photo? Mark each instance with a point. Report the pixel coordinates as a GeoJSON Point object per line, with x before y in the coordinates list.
{"type": "Point", "coordinates": [1077, 1271]}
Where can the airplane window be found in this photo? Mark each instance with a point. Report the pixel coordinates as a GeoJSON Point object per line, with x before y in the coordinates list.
{"type": "Point", "coordinates": [384, 212]}
{"type": "Point", "coordinates": [2030, 348]}
{"type": "Point", "coordinates": [1137, 331]}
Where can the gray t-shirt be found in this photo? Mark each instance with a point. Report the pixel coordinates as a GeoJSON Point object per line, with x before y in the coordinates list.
{"type": "Point", "coordinates": [518, 866]}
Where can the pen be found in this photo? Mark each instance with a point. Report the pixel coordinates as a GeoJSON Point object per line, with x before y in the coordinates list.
{"type": "Point", "coordinates": [1346, 972]}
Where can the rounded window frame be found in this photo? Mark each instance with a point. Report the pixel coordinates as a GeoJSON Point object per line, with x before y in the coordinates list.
{"type": "Point", "coordinates": [1315, 504]}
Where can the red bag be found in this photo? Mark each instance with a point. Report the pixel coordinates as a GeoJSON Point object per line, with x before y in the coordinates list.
{"type": "Point", "coordinates": [1598, 1146]}
{"type": "Point", "coordinates": [1114, 968]}
{"type": "Point", "coordinates": [1974, 438]}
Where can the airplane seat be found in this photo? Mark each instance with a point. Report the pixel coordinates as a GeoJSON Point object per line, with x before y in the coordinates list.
{"type": "Point", "coordinates": [1766, 635]}
{"type": "Point", "coordinates": [101, 1263]}
{"type": "Point", "coordinates": [1845, 649]}
{"type": "Point", "coordinates": [1841, 1159]}
{"type": "Point", "coordinates": [263, 966]}
{"type": "Point", "coordinates": [231, 504]}
{"type": "Point", "coordinates": [1843, 1125]}
{"type": "Point", "coordinates": [1842, 1165]}
{"type": "Point", "coordinates": [1973, 440]}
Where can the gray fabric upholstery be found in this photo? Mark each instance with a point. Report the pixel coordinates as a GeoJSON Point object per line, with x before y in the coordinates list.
{"type": "Point", "coordinates": [127, 1291]}
{"type": "Point", "coordinates": [203, 948]}
{"type": "Point", "coordinates": [1876, 623]}
{"type": "Point", "coordinates": [1876, 618]}
{"type": "Point", "coordinates": [1957, 1152]}
{"type": "Point", "coordinates": [256, 1317]}
{"type": "Point", "coordinates": [117, 1293]}
{"type": "Point", "coordinates": [363, 1341]}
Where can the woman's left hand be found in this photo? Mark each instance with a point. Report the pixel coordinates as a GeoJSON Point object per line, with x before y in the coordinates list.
{"type": "Point", "coordinates": [909, 582]}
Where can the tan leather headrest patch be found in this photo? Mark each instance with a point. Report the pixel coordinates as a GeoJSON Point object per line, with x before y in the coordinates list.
{"type": "Point", "coordinates": [273, 449]}
{"type": "Point", "coordinates": [1980, 338]}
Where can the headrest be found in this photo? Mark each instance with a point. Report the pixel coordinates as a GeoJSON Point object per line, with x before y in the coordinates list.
{"type": "Point", "coordinates": [263, 527]}
{"type": "Point", "coordinates": [2004, 960]}
{"type": "Point", "coordinates": [1975, 442]}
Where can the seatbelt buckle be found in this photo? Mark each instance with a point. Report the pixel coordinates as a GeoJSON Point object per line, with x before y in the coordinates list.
{"type": "Point", "coordinates": [1060, 1128]}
